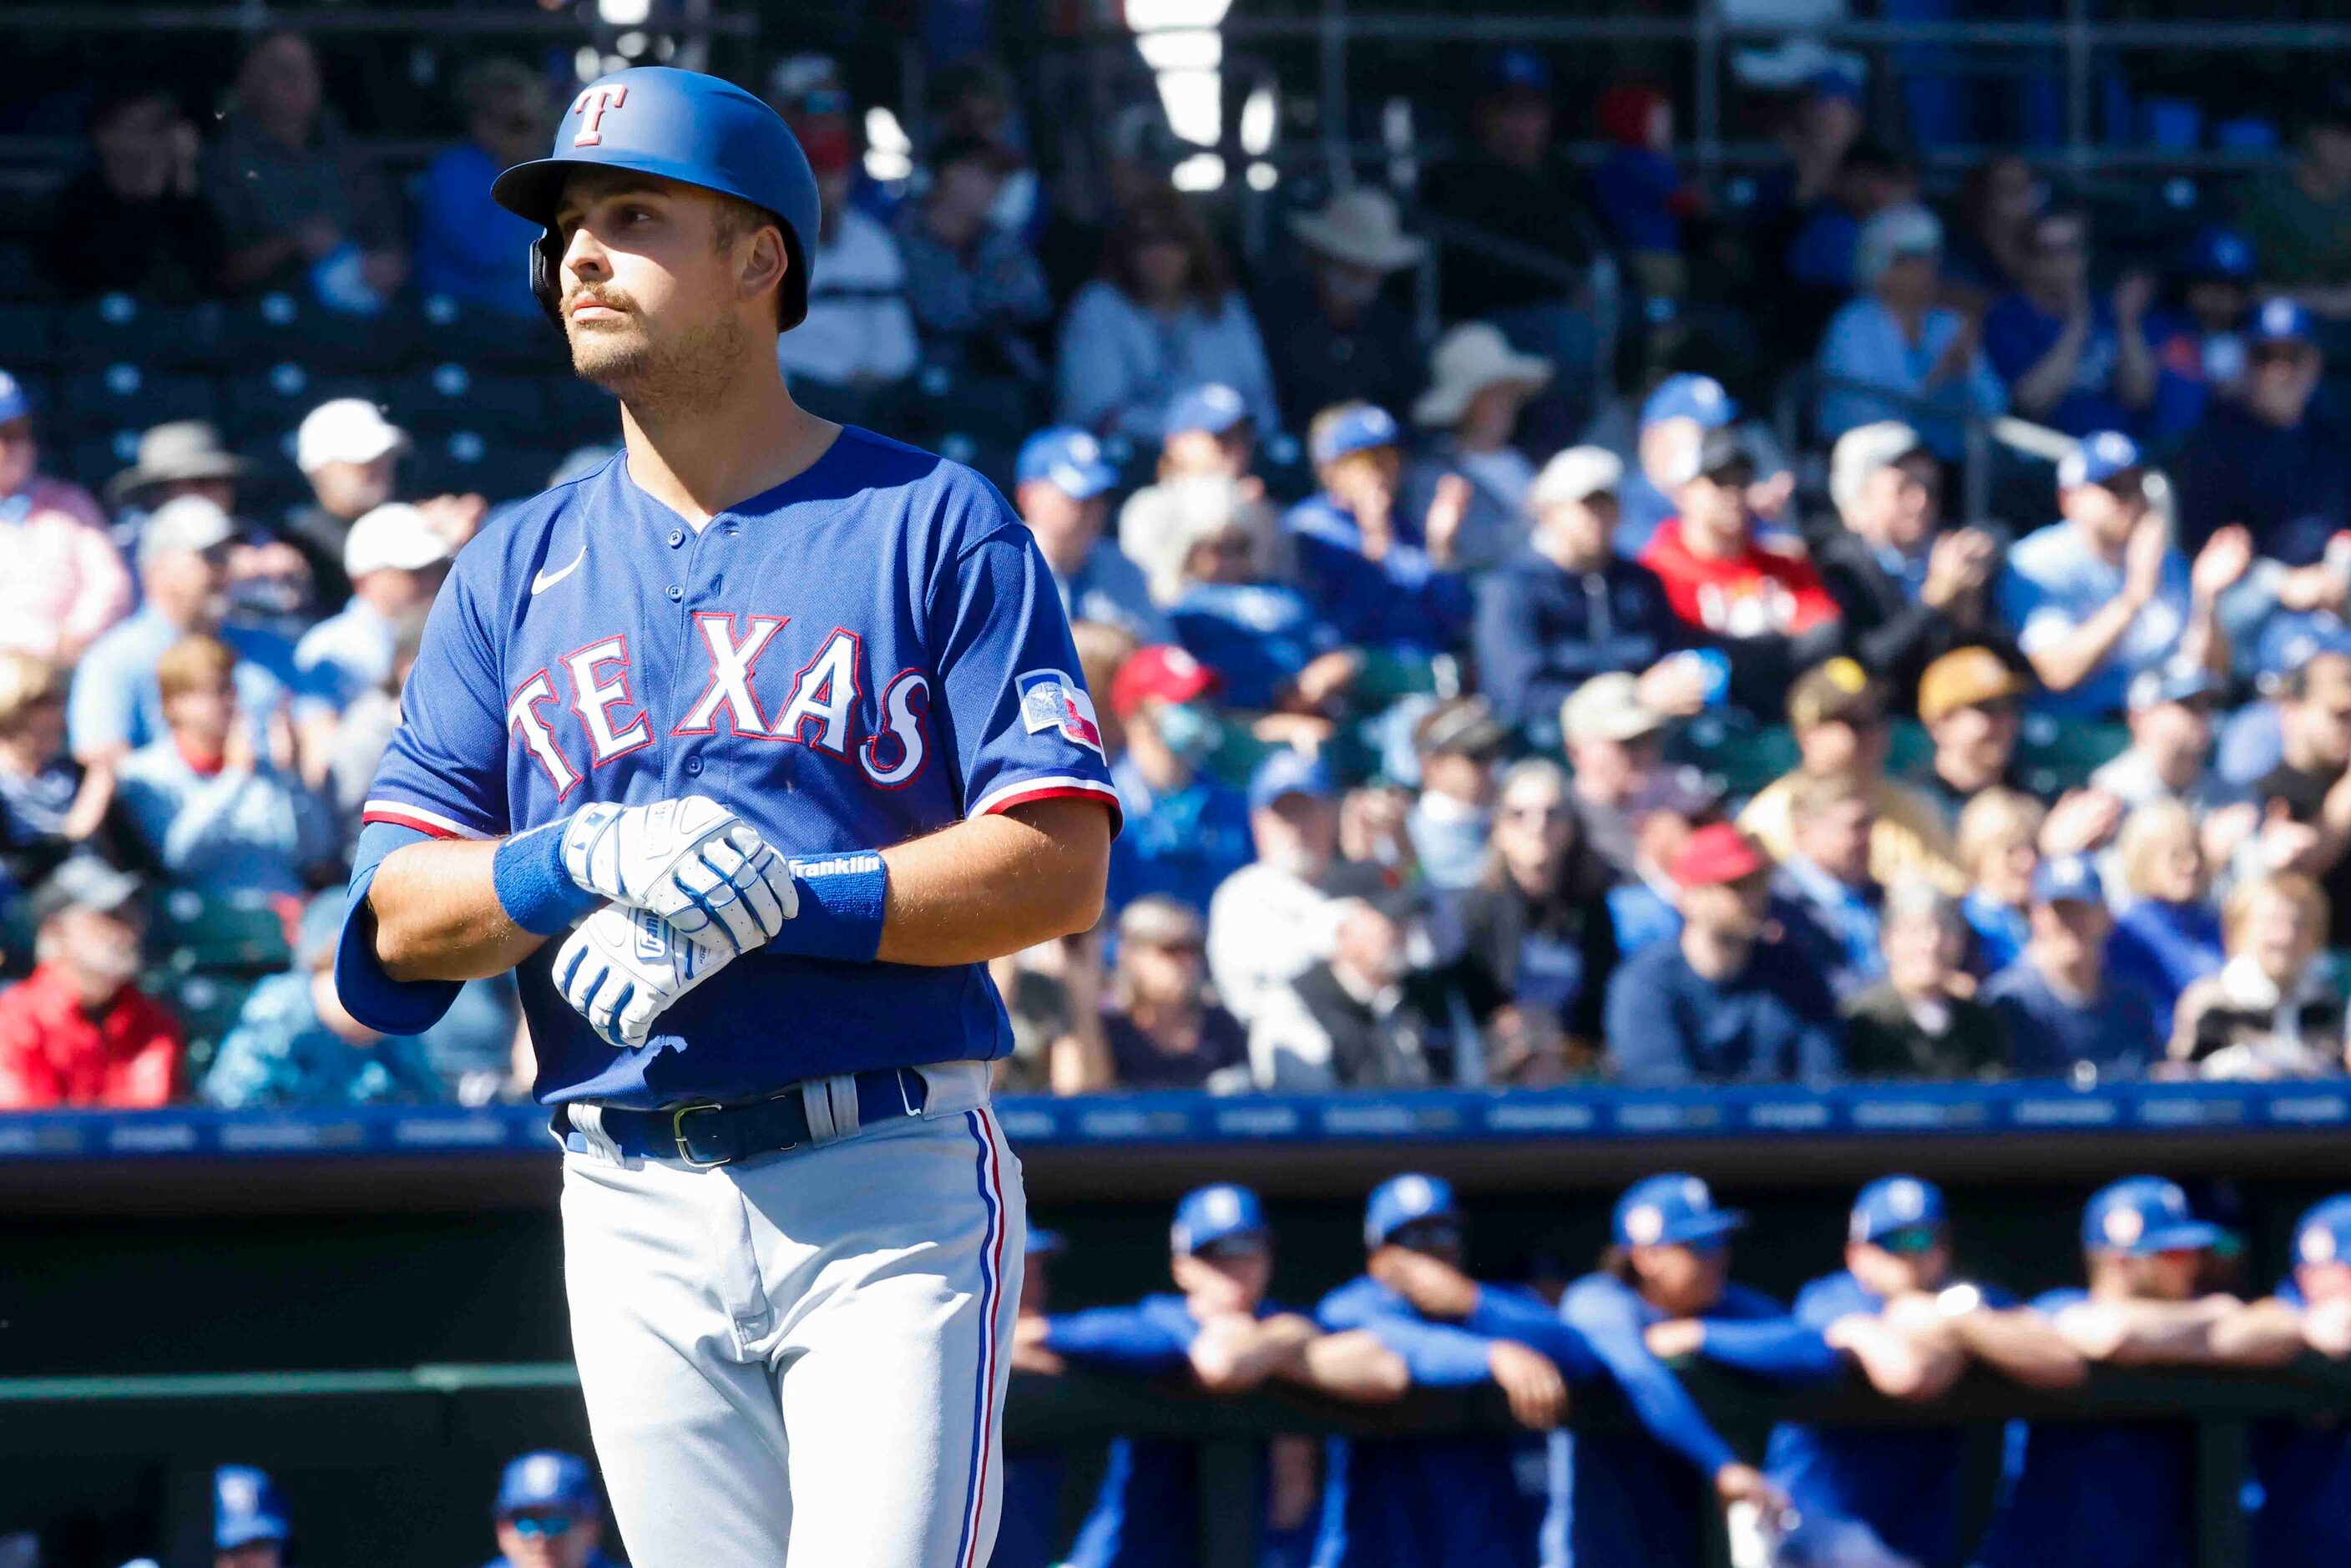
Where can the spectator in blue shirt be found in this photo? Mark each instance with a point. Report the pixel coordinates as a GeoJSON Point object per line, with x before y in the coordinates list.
{"type": "Point", "coordinates": [2064, 1009]}
{"type": "Point", "coordinates": [467, 243]}
{"type": "Point", "coordinates": [975, 288]}
{"type": "Point", "coordinates": [1997, 846]}
{"type": "Point", "coordinates": [1478, 387]}
{"type": "Point", "coordinates": [2305, 1466]}
{"type": "Point", "coordinates": [1663, 1292]}
{"type": "Point", "coordinates": [1272, 647]}
{"type": "Point", "coordinates": [547, 1514]}
{"type": "Point", "coordinates": [1451, 1501]}
{"type": "Point", "coordinates": [1890, 352]}
{"type": "Point", "coordinates": [2118, 1493]}
{"type": "Point", "coordinates": [1566, 607]}
{"type": "Point", "coordinates": [1355, 565]}
{"type": "Point", "coordinates": [396, 560]}
{"type": "Point", "coordinates": [294, 1044]}
{"type": "Point", "coordinates": [1727, 1000]}
{"type": "Point", "coordinates": [1062, 486]}
{"type": "Point", "coordinates": [115, 707]}
{"type": "Point", "coordinates": [2166, 935]}
{"type": "Point", "coordinates": [1827, 875]}
{"type": "Point", "coordinates": [219, 815]}
{"type": "Point", "coordinates": [2100, 596]}
{"type": "Point", "coordinates": [2273, 458]}
{"type": "Point", "coordinates": [1185, 830]}
{"type": "Point", "coordinates": [1900, 1312]}
{"type": "Point", "coordinates": [1220, 1334]}
{"type": "Point", "coordinates": [2070, 358]}
{"type": "Point", "coordinates": [2200, 340]}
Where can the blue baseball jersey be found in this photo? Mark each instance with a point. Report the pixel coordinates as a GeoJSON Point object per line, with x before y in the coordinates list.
{"type": "Point", "coordinates": [1148, 1513]}
{"type": "Point", "coordinates": [1438, 1502]}
{"type": "Point", "coordinates": [2116, 1493]}
{"type": "Point", "coordinates": [2305, 1471]}
{"type": "Point", "coordinates": [1905, 1485]}
{"type": "Point", "coordinates": [871, 651]}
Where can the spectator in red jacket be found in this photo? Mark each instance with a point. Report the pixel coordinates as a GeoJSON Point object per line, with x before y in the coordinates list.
{"type": "Point", "coordinates": [77, 1031]}
{"type": "Point", "coordinates": [1762, 602]}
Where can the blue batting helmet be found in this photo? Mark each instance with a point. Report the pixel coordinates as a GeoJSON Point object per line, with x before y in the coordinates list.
{"type": "Point", "coordinates": [682, 126]}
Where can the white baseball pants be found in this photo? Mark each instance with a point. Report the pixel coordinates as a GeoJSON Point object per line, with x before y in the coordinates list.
{"type": "Point", "coordinates": [799, 1362]}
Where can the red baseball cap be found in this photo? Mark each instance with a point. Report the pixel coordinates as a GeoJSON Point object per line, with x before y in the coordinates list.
{"type": "Point", "coordinates": [1164, 670]}
{"type": "Point", "coordinates": [1716, 854]}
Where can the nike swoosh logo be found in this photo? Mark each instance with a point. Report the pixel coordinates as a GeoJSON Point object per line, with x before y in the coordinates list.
{"type": "Point", "coordinates": [547, 579]}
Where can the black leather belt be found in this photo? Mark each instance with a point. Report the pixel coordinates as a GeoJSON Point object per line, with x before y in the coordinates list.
{"type": "Point", "coordinates": [706, 1134]}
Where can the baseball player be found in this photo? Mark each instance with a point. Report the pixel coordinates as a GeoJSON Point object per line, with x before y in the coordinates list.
{"type": "Point", "coordinates": [746, 751]}
{"type": "Point", "coordinates": [1033, 1476]}
{"type": "Point", "coordinates": [1440, 1502]}
{"type": "Point", "coordinates": [2116, 1493]}
{"type": "Point", "coordinates": [251, 1527]}
{"type": "Point", "coordinates": [1665, 1291]}
{"type": "Point", "coordinates": [1885, 1496]}
{"type": "Point", "coordinates": [1223, 1335]}
{"type": "Point", "coordinates": [2305, 1466]}
{"type": "Point", "coordinates": [547, 1515]}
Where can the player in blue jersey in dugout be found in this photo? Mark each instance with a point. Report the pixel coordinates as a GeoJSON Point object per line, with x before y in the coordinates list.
{"type": "Point", "coordinates": [1218, 1333]}
{"type": "Point", "coordinates": [746, 751]}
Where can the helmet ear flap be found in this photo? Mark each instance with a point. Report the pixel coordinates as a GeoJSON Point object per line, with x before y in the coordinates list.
{"type": "Point", "coordinates": [546, 274]}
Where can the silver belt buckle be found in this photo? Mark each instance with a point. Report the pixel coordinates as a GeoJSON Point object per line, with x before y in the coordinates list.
{"type": "Point", "coordinates": [677, 1134]}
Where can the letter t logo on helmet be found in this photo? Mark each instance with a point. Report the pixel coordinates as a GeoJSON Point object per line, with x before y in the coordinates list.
{"type": "Point", "coordinates": [594, 103]}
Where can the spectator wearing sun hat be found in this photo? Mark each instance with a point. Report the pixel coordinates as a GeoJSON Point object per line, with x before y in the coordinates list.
{"type": "Point", "coordinates": [1185, 830]}
{"type": "Point", "coordinates": [1331, 331]}
{"type": "Point", "coordinates": [66, 582]}
{"type": "Point", "coordinates": [396, 560]}
{"type": "Point", "coordinates": [1478, 386]}
{"type": "Point", "coordinates": [1731, 999]}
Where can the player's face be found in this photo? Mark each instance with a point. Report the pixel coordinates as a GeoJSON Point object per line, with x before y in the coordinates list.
{"type": "Point", "coordinates": [18, 453]}
{"type": "Point", "coordinates": [651, 302]}
{"type": "Point", "coordinates": [1682, 1281]}
{"type": "Point", "coordinates": [1901, 1262]}
{"type": "Point", "coordinates": [548, 1538]}
{"type": "Point", "coordinates": [251, 1554]}
{"type": "Point", "coordinates": [2323, 1282]}
{"type": "Point", "coordinates": [1228, 1276]}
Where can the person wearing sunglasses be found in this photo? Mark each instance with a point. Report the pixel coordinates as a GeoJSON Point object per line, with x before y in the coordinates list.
{"type": "Point", "coordinates": [1218, 1333]}
{"type": "Point", "coordinates": [1451, 1501]}
{"type": "Point", "coordinates": [1663, 1292]}
{"type": "Point", "coordinates": [2120, 1493]}
{"type": "Point", "coordinates": [1909, 1323]}
{"type": "Point", "coordinates": [547, 1515]}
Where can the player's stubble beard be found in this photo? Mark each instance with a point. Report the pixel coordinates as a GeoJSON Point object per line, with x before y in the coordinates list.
{"type": "Point", "coordinates": [659, 381]}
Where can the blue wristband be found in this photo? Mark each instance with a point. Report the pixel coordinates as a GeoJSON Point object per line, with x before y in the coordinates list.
{"type": "Point", "coordinates": [841, 903]}
{"type": "Point", "coordinates": [533, 888]}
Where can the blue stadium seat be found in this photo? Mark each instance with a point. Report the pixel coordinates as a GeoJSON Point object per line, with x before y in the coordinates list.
{"type": "Point", "coordinates": [451, 397]}
{"type": "Point", "coordinates": [270, 403]}
{"type": "Point", "coordinates": [116, 329]}
{"type": "Point", "coordinates": [449, 329]}
{"type": "Point", "coordinates": [487, 463]}
{"type": "Point", "coordinates": [126, 395]}
{"type": "Point", "coordinates": [277, 328]}
{"type": "Point", "coordinates": [196, 932]}
{"type": "Point", "coordinates": [28, 336]}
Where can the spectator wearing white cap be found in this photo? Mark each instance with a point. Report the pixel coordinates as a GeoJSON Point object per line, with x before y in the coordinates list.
{"type": "Point", "coordinates": [1907, 591]}
{"type": "Point", "coordinates": [1478, 388]}
{"type": "Point", "coordinates": [349, 451]}
{"type": "Point", "coordinates": [1331, 331]}
{"type": "Point", "coordinates": [396, 560]}
{"type": "Point", "coordinates": [1892, 353]}
{"type": "Point", "coordinates": [1565, 606]}
{"type": "Point", "coordinates": [66, 581]}
{"type": "Point", "coordinates": [115, 707]}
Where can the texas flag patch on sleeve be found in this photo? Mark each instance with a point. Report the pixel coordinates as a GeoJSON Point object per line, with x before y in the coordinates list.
{"type": "Point", "coordinates": [1051, 700]}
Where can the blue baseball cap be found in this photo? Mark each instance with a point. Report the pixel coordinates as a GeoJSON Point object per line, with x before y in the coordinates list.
{"type": "Point", "coordinates": [1689, 396]}
{"type": "Point", "coordinates": [2218, 252]}
{"type": "Point", "coordinates": [1212, 406]}
{"type": "Point", "coordinates": [1288, 771]}
{"type": "Point", "coordinates": [546, 1479]}
{"type": "Point", "coordinates": [1068, 458]}
{"type": "Point", "coordinates": [246, 1508]}
{"type": "Point", "coordinates": [1894, 1203]}
{"type": "Point", "coordinates": [14, 403]}
{"type": "Point", "coordinates": [1212, 1214]}
{"type": "Point", "coordinates": [2098, 458]}
{"type": "Point", "coordinates": [1360, 429]}
{"type": "Point", "coordinates": [1515, 70]}
{"type": "Point", "coordinates": [1673, 1210]}
{"type": "Point", "coordinates": [2171, 682]}
{"type": "Point", "coordinates": [1407, 1201]}
{"type": "Point", "coordinates": [1043, 1243]}
{"type": "Point", "coordinates": [2324, 1234]}
{"type": "Point", "coordinates": [2141, 1216]}
{"type": "Point", "coordinates": [2065, 877]}
{"type": "Point", "coordinates": [2291, 640]}
{"type": "Point", "coordinates": [2284, 320]}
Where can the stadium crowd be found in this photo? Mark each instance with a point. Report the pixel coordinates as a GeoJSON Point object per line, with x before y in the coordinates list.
{"type": "Point", "coordinates": [1470, 727]}
{"type": "Point", "coordinates": [1904, 1317]}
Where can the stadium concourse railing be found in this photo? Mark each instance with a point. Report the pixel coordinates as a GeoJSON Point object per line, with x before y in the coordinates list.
{"type": "Point", "coordinates": [405, 1415]}
{"type": "Point", "coordinates": [1582, 1136]}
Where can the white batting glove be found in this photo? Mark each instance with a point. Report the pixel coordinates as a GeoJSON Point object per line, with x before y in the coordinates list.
{"type": "Point", "coordinates": [623, 969]}
{"type": "Point", "coordinates": [692, 861]}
